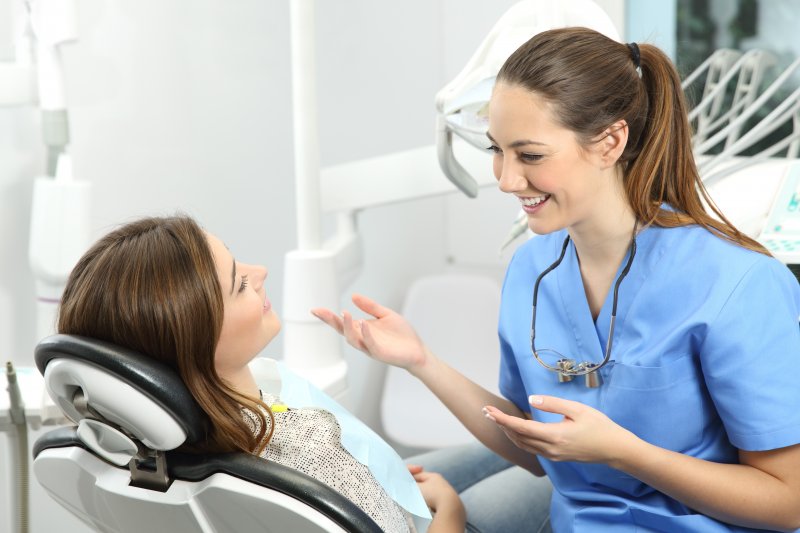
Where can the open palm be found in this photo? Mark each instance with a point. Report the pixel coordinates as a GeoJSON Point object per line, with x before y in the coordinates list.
{"type": "Point", "coordinates": [387, 336]}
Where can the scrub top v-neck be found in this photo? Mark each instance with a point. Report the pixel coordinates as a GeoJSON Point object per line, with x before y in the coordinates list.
{"type": "Point", "coordinates": [706, 345]}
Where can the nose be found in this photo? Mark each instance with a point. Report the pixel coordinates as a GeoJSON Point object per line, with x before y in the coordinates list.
{"type": "Point", "coordinates": [257, 273]}
{"type": "Point", "coordinates": [509, 175]}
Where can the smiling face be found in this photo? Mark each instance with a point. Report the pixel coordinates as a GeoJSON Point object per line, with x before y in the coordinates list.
{"type": "Point", "coordinates": [559, 183]}
{"type": "Point", "coordinates": [249, 322]}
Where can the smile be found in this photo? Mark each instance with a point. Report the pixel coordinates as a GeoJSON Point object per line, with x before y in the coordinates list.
{"type": "Point", "coordinates": [532, 202]}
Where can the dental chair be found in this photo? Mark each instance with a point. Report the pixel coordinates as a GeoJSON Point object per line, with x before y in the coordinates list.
{"type": "Point", "coordinates": [118, 470]}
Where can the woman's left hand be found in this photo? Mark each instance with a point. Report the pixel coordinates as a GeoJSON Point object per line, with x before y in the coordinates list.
{"type": "Point", "coordinates": [449, 515]}
{"type": "Point", "coordinates": [584, 434]}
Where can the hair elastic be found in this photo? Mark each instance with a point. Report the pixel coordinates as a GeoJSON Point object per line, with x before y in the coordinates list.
{"type": "Point", "coordinates": [634, 48]}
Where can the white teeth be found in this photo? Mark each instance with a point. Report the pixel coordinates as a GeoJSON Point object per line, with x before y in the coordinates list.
{"type": "Point", "coordinates": [530, 202]}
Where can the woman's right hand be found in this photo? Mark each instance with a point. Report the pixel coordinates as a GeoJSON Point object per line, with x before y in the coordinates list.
{"type": "Point", "coordinates": [387, 337]}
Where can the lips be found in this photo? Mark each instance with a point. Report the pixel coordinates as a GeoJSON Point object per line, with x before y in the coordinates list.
{"type": "Point", "coordinates": [267, 304]}
{"type": "Point", "coordinates": [533, 203]}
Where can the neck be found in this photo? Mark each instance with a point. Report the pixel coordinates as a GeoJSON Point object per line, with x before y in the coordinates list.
{"type": "Point", "coordinates": [241, 380]}
{"type": "Point", "coordinates": [606, 243]}
{"type": "Point", "coordinates": [604, 236]}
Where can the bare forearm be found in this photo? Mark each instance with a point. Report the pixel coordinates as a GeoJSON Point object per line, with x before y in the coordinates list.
{"type": "Point", "coordinates": [735, 493]}
{"type": "Point", "coordinates": [465, 399]}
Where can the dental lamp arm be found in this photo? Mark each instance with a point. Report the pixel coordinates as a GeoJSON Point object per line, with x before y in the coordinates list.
{"type": "Point", "coordinates": [447, 161]}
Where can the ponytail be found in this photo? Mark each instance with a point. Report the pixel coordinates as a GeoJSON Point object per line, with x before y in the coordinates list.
{"type": "Point", "coordinates": [665, 170]}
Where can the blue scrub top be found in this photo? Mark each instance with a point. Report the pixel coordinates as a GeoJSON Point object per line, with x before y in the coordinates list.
{"type": "Point", "coordinates": [704, 362]}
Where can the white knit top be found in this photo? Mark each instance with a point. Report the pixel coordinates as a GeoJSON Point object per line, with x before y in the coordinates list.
{"type": "Point", "coordinates": [309, 440]}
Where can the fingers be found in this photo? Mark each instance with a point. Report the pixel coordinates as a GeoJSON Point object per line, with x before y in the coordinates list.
{"type": "Point", "coordinates": [366, 336]}
{"type": "Point", "coordinates": [352, 331]}
{"type": "Point", "coordinates": [414, 469]}
{"type": "Point", "coordinates": [503, 420]}
{"type": "Point", "coordinates": [520, 429]}
{"type": "Point", "coordinates": [330, 318]}
{"type": "Point", "coordinates": [370, 306]}
{"type": "Point", "coordinates": [355, 332]}
{"type": "Point", "coordinates": [552, 404]}
{"type": "Point", "coordinates": [421, 477]}
{"type": "Point", "coordinates": [527, 435]}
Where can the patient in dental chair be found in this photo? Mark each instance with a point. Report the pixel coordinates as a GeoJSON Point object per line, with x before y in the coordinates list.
{"type": "Point", "coordinates": [166, 288]}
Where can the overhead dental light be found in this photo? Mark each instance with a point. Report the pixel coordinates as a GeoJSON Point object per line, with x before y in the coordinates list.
{"type": "Point", "coordinates": [461, 104]}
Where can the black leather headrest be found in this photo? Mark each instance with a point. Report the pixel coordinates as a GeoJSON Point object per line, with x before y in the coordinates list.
{"type": "Point", "coordinates": [154, 379]}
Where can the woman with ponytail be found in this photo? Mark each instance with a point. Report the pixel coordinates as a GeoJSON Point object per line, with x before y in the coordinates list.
{"type": "Point", "coordinates": [649, 348]}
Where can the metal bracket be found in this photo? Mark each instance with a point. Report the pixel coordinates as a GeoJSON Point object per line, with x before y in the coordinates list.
{"type": "Point", "coordinates": [144, 476]}
{"type": "Point", "coordinates": [148, 467]}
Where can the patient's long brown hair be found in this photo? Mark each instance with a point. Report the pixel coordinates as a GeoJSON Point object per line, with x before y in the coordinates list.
{"type": "Point", "coordinates": [151, 285]}
{"type": "Point", "coordinates": [591, 82]}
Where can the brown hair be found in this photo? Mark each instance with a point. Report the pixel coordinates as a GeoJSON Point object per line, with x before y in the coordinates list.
{"type": "Point", "coordinates": [151, 286]}
{"type": "Point", "coordinates": [592, 81]}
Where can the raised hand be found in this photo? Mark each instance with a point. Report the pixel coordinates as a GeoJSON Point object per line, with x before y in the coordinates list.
{"type": "Point", "coordinates": [584, 434]}
{"type": "Point", "coordinates": [386, 336]}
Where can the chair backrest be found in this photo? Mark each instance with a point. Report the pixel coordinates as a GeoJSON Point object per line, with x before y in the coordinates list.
{"type": "Point", "coordinates": [457, 316]}
{"type": "Point", "coordinates": [115, 471]}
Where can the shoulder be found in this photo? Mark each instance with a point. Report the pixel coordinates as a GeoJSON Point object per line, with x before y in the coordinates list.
{"type": "Point", "coordinates": [710, 263]}
{"type": "Point", "coordinates": [696, 248]}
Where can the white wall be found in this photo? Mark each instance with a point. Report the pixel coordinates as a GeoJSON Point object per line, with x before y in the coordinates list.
{"type": "Point", "coordinates": [185, 106]}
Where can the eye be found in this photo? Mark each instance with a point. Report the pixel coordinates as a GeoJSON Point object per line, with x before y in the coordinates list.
{"type": "Point", "coordinates": [530, 158]}
{"type": "Point", "coordinates": [243, 285]}
{"type": "Point", "coordinates": [494, 149]}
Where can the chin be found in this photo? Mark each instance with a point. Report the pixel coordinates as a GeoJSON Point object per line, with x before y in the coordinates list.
{"type": "Point", "coordinates": [542, 229]}
{"type": "Point", "coordinates": [274, 330]}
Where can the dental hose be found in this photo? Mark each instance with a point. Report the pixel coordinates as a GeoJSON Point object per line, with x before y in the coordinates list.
{"type": "Point", "coordinates": [17, 412]}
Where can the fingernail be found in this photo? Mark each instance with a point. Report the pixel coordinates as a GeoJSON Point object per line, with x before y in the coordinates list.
{"type": "Point", "coordinates": [489, 417]}
{"type": "Point", "coordinates": [535, 400]}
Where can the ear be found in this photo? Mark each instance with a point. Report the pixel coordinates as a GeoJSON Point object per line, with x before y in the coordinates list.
{"type": "Point", "coordinates": [612, 143]}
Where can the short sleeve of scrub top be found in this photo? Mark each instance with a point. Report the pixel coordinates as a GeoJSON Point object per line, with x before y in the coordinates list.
{"type": "Point", "coordinates": [750, 358]}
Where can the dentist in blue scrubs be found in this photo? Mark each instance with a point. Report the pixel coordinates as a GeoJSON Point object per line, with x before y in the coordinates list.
{"type": "Point", "coordinates": [650, 351]}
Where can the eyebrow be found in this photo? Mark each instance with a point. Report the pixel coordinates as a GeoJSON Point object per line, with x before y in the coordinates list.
{"type": "Point", "coordinates": [233, 276]}
{"type": "Point", "coordinates": [517, 144]}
